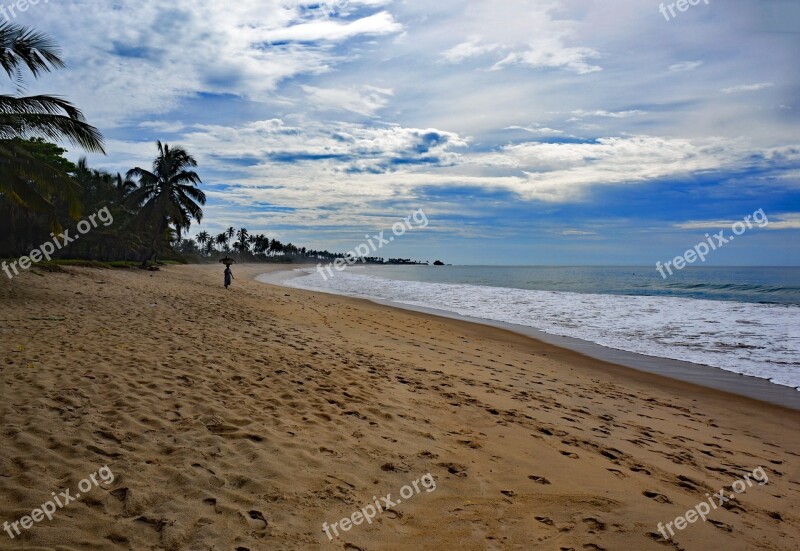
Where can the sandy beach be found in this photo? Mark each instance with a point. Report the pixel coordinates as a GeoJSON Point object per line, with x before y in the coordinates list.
{"type": "Point", "coordinates": [245, 419]}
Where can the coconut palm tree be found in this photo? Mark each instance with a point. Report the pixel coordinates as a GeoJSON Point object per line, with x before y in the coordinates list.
{"type": "Point", "coordinates": [243, 243]}
{"type": "Point", "coordinates": [124, 185]}
{"type": "Point", "coordinates": [26, 179]}
{"type": "Point", "coordinates": [222, 241]}
{"type": "Point", "coordinates": [167, 195]}
{"type": "Point", "coordinates": [202, 238]}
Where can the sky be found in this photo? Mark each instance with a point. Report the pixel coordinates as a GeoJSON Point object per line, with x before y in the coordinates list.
{"type": "Point", "coordinates": [559, 132]}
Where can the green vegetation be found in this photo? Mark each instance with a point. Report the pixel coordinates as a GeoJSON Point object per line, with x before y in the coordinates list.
{"type": "Point", "coordinates": [254, 248]}
{"type": "Point", "coordinates": [168, 196]}
{"type": "Point", "coordinates": [30, 178]}
{"type": "Point", "coordinates": [145, 218]}
{"type": "Point", "coordinates": [41, 191]}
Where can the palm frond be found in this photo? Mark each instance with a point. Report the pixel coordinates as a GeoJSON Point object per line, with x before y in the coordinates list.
{"type": "Point", "coordinates": [54, 105]}
{"type": "Point", "coordinates": [194, 192]}
{"type": "Point", "coordinates": [26, 124]}
{"type": "Point", "coordinates": [21, 46]}
{"type": "Point", "coordinates": [31, 182]}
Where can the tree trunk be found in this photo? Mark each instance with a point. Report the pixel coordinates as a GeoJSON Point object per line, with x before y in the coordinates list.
{"type": "Point", "coordinates": [151, 251]}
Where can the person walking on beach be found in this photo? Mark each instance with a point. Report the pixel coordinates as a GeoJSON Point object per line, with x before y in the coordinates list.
{"type": "Point", "coordinates": [228, 276]}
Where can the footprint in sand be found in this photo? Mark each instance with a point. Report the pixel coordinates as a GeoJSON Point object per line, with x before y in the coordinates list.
{"type": "Point", "coordinates": [211, 502]}
{"type": "Point", "coordinates": [655, 496]}
{"type": "Point", "coordinates": [721, 525]}
{"type": "Point", "coordinates": [595, 524]}
{"type": "Point", "coordinates": [688, 483]}
{"type": "Point", "coordinates": [453, 468]}
{"type": "Point", "coordinates": [257, 519]}
{"type": "Point", "coordinates": [539, 479]}
{"type": "Point", "coordinates": [156, 524]}
{"type": "Point", "coordinates": [120, 493]}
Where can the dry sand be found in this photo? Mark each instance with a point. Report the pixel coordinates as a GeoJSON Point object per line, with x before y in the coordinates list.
{"type": "Point", "coordinates": [244, 419]}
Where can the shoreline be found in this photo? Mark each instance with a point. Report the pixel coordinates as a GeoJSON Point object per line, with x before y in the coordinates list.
{"type": "Point", "coordinates": [747, 386]}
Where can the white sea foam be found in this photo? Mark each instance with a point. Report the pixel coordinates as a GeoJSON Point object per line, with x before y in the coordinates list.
{"type": "Point", "coordinates": [761, 340]}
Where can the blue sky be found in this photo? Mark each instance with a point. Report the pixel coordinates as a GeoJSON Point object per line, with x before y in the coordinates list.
{"type": "Point", "coordinates": [529, 132]}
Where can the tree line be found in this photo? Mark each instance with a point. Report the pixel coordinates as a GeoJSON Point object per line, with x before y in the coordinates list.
{"type": "Point", "coordinates": [260, 248]}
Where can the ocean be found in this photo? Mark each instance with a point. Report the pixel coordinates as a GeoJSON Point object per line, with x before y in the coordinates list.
{"type": "Point", "coordinates": [740, 319]}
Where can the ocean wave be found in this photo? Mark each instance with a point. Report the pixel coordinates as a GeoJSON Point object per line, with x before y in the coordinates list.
{"type": "Point", "coordinates": [756, 339]}
{"type": "Point", "coordinates": [743, 287]}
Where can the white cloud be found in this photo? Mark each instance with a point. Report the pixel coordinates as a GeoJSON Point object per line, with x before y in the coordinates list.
{"type": "Point", "coordinates": [163, 126]}
{"type": "Point", "coordinates": [781, 221]}
{"type": "Point", "coordinates": [705, 224]}
{"type": "Point", "coordinates": [364, 100]}
{"type": "Point", "coordinates": [470, 48]}
{"type": "Point", "coordinates": [747, 87]}
{"type": "Point", "coordinates": [563, 172]}
{"type": "Point", "coordinates": [789, 221]}
{"type": "Point", "coordinates": [535, 129]}
{"type": "Point", "coordinates": [326, 149]}
{"type": "Point", "coordinates": [684, 66]}
{"type": "Point", "coordinates": [376, 24]}
{"type": "Point", "coordinates": [580, 113]}
{"type": "Point", "coordinates": [341, 7]}
{"type": "Point", "coordinates": [516, 33]}
{"type": "Point", "coordinates": [552, 53]}
{"type": "Point", "coordinates": [144, 58]}
{"type": "Point", "coordinates": [310, 165]}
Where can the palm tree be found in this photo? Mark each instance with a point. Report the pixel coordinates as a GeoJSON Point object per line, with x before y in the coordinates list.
{"type": "Point", "coordinates": [230, 232]}
{"type": "Point", "coordinates": [202, 238]}
{"type": "Point", "coordinates": [24, 178]}
{"type": "Point", "coordinates": [275, 247]}
{"type": "Point", "coordinates": [243, 243]}
{"type": "Point", "coordinates": [222, 241]}
{"type": "Point", "coordinates": [168, 195]}
{"type": "Point", "coordinates": [124, 185]}
{"type": "Point", "coordinates": [263, 244]}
